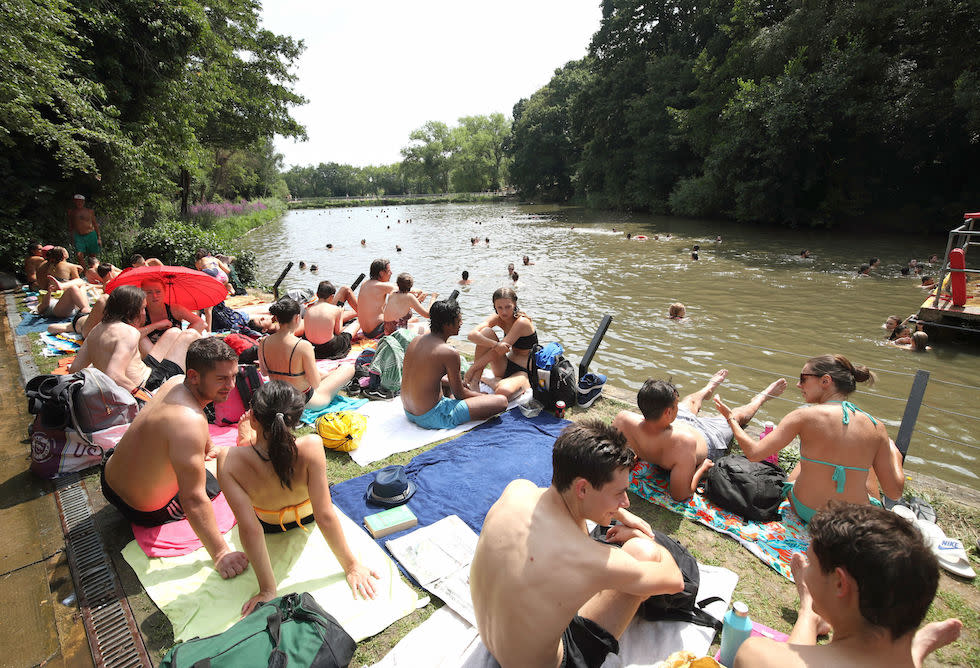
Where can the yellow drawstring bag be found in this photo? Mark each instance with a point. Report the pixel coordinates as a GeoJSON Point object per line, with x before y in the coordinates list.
{"type": "Point", "coordinates": [342, 430]}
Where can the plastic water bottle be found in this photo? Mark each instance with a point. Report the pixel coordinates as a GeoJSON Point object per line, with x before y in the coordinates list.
{"type": "Point", "coordinates": [767, 428]}
{"type": "Point", "coordinates": [735, 630]}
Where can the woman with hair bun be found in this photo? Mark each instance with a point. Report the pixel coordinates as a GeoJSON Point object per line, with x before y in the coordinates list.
{"type": "Point", "coordinates": [275, 482]}
{"type": "Point", "coordinates": [284, 356]}
{"type": "Point", "coordinates": [840, 444]}
{"type": "Point", "coordinates": [508, 357]}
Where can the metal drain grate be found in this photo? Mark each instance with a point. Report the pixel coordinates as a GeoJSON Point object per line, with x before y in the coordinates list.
{"type": "Point", "coordinates": [109, 624]}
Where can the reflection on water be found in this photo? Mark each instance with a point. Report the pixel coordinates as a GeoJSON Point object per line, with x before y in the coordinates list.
{"type": "Point", "coordinates": [754, 306]}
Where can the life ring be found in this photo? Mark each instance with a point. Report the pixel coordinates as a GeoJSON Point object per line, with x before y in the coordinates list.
{"type": "Point", "coordinates": [639, 237]}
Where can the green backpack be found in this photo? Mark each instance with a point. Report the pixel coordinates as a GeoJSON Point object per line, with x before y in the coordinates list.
{"type": "Point", "coordinates": [292, 630]}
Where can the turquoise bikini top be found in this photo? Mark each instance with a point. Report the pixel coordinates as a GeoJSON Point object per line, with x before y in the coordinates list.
{"type": "Point", "coordinates": [840, 471]}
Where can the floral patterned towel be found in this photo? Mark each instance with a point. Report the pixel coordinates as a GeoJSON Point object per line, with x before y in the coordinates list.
{"type": "Point", "coordinates": [773, 542]}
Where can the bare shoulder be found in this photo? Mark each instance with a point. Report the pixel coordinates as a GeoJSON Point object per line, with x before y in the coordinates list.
{"type": "Point", "coordinates": [764, 652]}
{"type": "Point", "coordinates": [625, 420]}
{"type": "Point", "coordinates": [310, 447]}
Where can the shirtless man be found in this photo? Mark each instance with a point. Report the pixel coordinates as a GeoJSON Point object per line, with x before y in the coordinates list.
{"type": "Point", "coordinates": [544, 592]}
{"type": "Point", "coordinates": [56, 269]}
{"type": "Point", "coordinates": [428, 360]}
{"type": "Point", "coordinates": [156, 473]}
{"type": "Point", "coordinates": [84, 228]}
{"type": "Point", "coordinates": [112, 346]}
{"type": "Point", "coordinates": [323, 325]}
{"type": "Point", "coordinates": [852, 582]}
{"type": "Point", "coordinates": [371, 299]}
{"type": "Point", "coordinates": [670, 434]}
{"type": "Point", "coordinates": [34, 259]}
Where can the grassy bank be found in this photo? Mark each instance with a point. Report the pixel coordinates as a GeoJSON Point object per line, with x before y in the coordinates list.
{"type": "Point", "coordinates": [231, 229]}
{"type": "Point", "coordinates": [449, 198]}
{"type": "Point", "coordinates": [772, 599]}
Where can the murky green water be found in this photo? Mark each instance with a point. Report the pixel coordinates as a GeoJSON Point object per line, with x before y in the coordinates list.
{"type": "Point", "coordinates": [754, 306]}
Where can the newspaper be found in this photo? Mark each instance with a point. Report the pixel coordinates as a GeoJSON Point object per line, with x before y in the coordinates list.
{"type": "Point", "coordinates": [438, 556]}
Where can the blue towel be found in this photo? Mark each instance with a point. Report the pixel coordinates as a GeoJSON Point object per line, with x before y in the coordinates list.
{"type": "Point", "coordinates": [466, 475]}
{"type": "Point", "coordinates": [339, 403]}
{"type": "Point", "coordinates": [31, 323]}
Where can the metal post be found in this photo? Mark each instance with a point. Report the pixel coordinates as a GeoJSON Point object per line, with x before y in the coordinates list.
{"type": "Point", "coordinates": [583, 367]}
{"type": "Point", "coordinates": [905, 429]}
{"type": "Point", "coordinates": [453, 295]}
{"type": "Point", "coordinates": [275, 286]}
{"type": "Point", "coordinates": [353, 287]}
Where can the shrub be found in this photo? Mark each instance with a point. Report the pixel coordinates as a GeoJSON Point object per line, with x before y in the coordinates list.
{"type": "Point", "coordinates": [175, 243]}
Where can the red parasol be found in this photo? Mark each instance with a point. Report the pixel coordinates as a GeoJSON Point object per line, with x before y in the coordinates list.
{"type": "Point", "coordinates": [189, 288]}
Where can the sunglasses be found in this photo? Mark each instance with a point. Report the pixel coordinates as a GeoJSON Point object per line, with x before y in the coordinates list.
{"type": "Point", "coordinates": [804, 375]}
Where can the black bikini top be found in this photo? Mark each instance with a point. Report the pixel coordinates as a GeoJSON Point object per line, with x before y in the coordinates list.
{"type": "Point", "coordinates": [288, 366]}
{"type": "Point", "coordinates": [526, 342]}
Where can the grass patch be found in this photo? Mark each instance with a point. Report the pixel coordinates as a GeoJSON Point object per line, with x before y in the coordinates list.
{"type": "Point", "coordinates": [233, 228]}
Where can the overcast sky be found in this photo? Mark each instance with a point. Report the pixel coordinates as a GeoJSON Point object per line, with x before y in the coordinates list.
{"type": "Point", "coordinates": [373, 71]}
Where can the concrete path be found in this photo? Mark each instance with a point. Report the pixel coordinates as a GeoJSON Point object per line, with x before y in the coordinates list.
{"type": "Point", "coordinates": [40, 623]}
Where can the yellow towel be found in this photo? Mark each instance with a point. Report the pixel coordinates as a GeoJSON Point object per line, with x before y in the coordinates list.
{"type": "Point", "coordinates": [199, 603]}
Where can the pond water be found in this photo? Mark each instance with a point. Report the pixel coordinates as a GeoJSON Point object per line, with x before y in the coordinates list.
{"type": "Point", "coordinates": [753, 305]}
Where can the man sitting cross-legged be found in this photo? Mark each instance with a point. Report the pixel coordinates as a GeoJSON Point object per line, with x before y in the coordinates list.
{"type": "Point", "coordinates": [670, 434]}
{"type": "Point", "coordinates": [544, 592]}
{"type": "Point", "coordinates": [429, 361]}
{"type": "Point", "coordinates": [112, 346]}
{"type": "Point", "coordinates": [323, 325]}
{"type": "Point", "coordinates": [869, 577]}
{"type": "Point", "coordinates": [156, 473]}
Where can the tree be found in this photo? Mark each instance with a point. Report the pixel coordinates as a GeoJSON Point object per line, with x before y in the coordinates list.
{"type": "Point", "coordinates": [427, 158]}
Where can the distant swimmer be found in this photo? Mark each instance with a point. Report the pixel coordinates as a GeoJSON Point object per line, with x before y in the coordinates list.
{"type": "Point", "coordinates": [465, 280]}
{"type": "Point", "coordinates": [527, 261]}
{"type": "Point", "coordinates": [510, 269]}
{"type": "Point", "coordinates": [677, 311]}
{"type": "Point", "coordinates": [364, 242]}
{"type": "Point", "coordinates": [805, 254]}
{"type": "Point", "coordinates": [302, 265]}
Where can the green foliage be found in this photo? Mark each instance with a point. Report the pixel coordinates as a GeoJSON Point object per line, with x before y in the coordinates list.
{"type": "Point", "coordinates": [175, 243]}
{"type": "Point", "coordinates": [128, 101]}
{"type": "Point", "coordinates": [816, 113]}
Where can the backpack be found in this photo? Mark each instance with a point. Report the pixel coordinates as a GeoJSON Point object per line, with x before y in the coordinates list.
{"type": "Point", "coordinates": [230, 411]}
{"type": "Point", "coordinates": [555, 385]}
{"type": "Point", "coordinates": [362, 379]}
{"type": "Point", "coordinates": [292, 630]}
{"type": "Point", "coordinates": [753, 490]}
{"type": "Point", "coordinates": [342, 430]}
{"type": "Point", "coordinates": [682, 606]}
{"type": "Point", "coordinates": [85, 401]}
{"type": "Point", "coordinates": [225, 318]}
{"type": "Point", "coordinates": [545, 357]}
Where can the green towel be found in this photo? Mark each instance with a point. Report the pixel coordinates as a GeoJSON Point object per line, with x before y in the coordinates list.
{"type": "Point", "coordinates": [195, 599]}
{"type": "Point", "coordinates": [390, 357]}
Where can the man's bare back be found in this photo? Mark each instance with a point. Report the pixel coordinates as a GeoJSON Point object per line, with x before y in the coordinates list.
{"type": "Point", "coordinates": [677, 444]}
{"type": "Point", "coordinates": [427, 359]}
{"type": "Point", "coordinates": [113, 348]}
{"type": "Point", "coordinates": [322, 322]}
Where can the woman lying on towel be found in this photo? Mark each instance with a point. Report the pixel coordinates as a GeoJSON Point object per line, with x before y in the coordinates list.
{"type": "Point", "coordinates": [839, 442]}
{"type": "Point", "coordinates": [284, 356]}
{"type": "Point", "coordinates": [275, 482]}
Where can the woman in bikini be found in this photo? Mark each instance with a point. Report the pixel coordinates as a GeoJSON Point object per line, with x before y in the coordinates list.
{"type": "Point", "coordinates": [276, 482]}
{"type": "Point", "coordinates": [507, 357]}
{"type": "Point", "coordinates": [397, 313]}
{"type": "Point", "coordinates": [284, 356]}
{"type": "Point", "coordinates": [840, 444]}
{"type": "Point", "coordinates": [159, 316]}
{"type": "Point", "coordinates": [212, 266]}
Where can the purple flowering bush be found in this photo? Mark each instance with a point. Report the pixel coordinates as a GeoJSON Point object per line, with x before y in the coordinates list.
{"type": "Point", "coordinates": [205, 213]}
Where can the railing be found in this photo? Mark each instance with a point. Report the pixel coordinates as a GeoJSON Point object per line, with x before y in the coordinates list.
{"type": "Point", "coordinates": [963, 237]}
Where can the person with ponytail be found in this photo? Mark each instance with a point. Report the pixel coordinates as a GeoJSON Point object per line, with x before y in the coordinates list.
{"type": "Point", "coordinates": [845, 453]}
{"type": "Point", "coordinates": [284, 356]}
{"type": "Point", "coordinates": [508, 357]}
{"type": "Point", "coordinates": [275, 482]}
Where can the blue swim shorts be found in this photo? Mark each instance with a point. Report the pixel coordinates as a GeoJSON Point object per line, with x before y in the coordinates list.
{"type": "Point", "coordinates": [446, 414]}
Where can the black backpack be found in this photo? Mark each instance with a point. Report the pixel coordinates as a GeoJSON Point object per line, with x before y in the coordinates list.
{"type": "Point", "coordinates": [682, 606]}
{"type": "Point", "coordinates": [753, 490]}
{"type": "Point", "coordinates": [561, 387]}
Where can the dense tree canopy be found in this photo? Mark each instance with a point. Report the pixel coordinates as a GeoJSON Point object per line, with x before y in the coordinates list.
{"type": "Point", "coordinates": [803, 113]}
{"type": "Point", "coordinates": [130, 102]}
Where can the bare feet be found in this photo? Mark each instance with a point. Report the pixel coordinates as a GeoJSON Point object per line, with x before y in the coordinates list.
{"type": "Point", "coordinates": [933, 636]}
{"type": "Point", "coordinates": [715, 381]}
{"type": "Point", "coordinates": [797, 564]}
{"type": "Point", "coordinates": [774, 390]}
